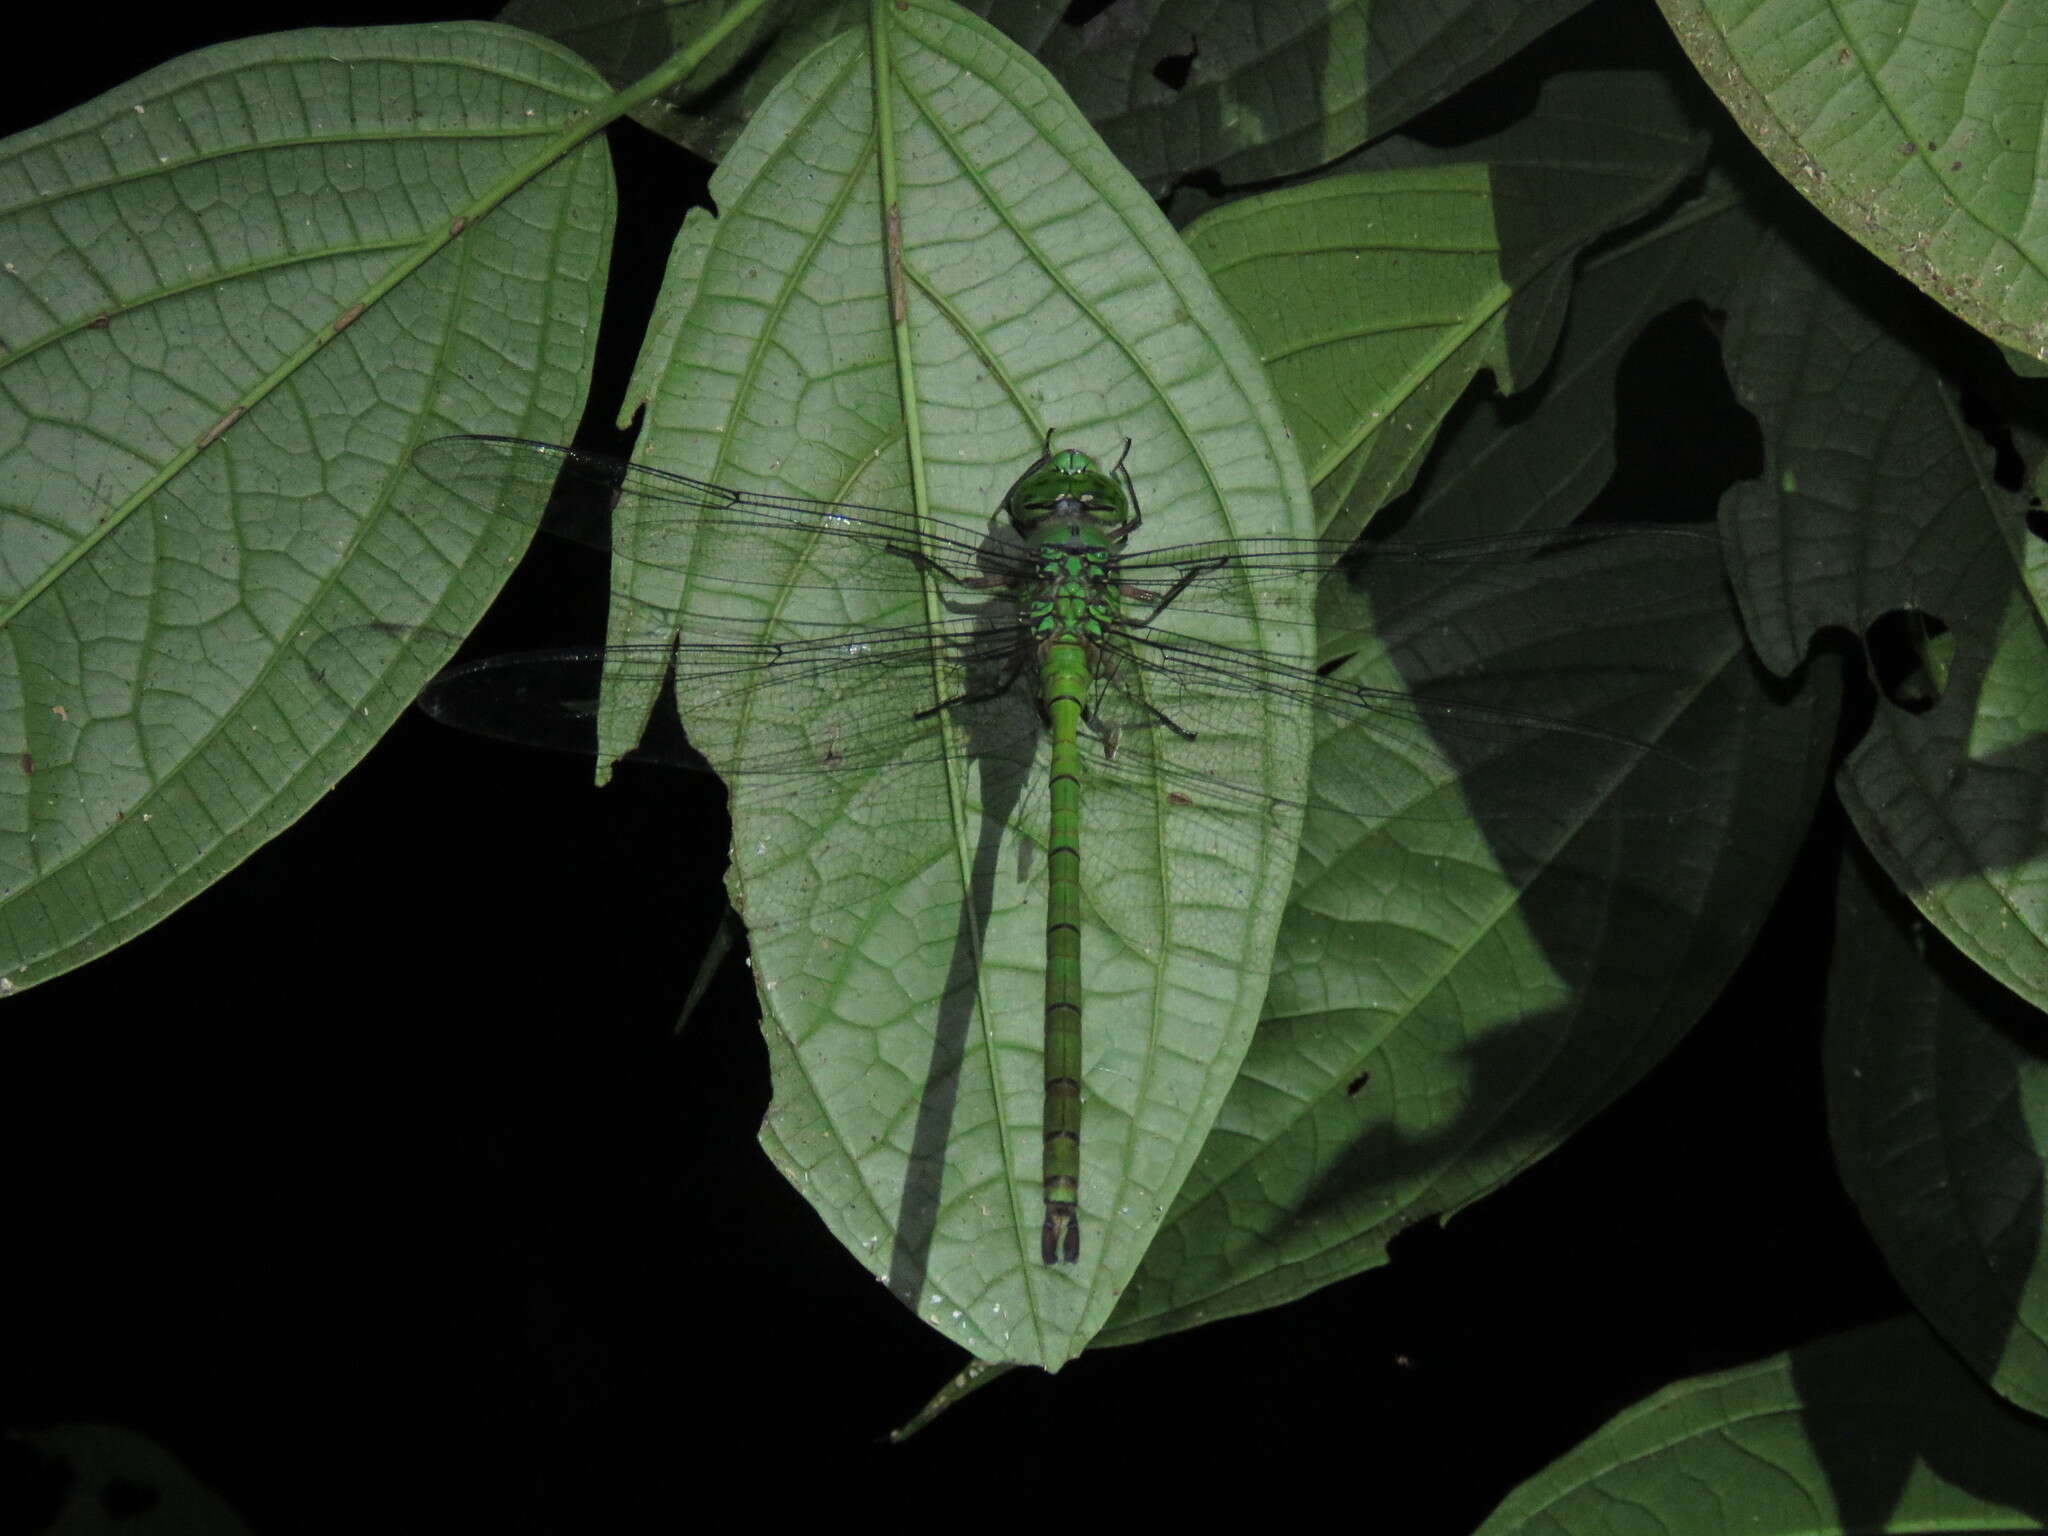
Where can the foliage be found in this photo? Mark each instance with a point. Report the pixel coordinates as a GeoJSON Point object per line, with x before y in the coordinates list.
{"type": "Point", "coordinates": [232, 315]}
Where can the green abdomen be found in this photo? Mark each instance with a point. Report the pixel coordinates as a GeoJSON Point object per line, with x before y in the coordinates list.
{"type": "Point", "coordinates": [1065, 683]}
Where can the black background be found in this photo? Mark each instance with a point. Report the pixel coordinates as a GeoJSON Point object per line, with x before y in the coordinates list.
{"type": "Point", "coordinates": [375, 1183]}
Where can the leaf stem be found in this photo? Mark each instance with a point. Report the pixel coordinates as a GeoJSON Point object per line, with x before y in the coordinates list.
{"type": "Point", "coordinates": [879, 27]}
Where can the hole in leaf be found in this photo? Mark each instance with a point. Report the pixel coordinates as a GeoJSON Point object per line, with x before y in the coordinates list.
{"type": "Point", "coordinates": [1173, 70]}
{"type": "Point", "coordinates": [1910, 653]}
{"type": "Point", "coordinates": [2037, 523]}
{"type": "Point", "coordinates": [1357, 1084]}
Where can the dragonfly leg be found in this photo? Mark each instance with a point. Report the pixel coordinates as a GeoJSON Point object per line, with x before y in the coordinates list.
{"type": "Point", "coordinates": [1109, 664]}
{"type": "Point", "coordinates": [983, 695]}
{"type": "Point", "coordinates": [1137, 518]}
{"type": "Point", "coordinates": [1168, 721]}
{"type": "Point", "coordinates": [1160, 601]}
{"type": "Point", "coordinates": [1043, 459]}
{"type": "Point", "coordinates": [1111, 736]}
{"type": "Point", "coordinates": [925, 562]}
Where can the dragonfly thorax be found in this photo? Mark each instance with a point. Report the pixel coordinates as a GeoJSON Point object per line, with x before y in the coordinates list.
{"type": "Point", "coordinates": [1075, 596]}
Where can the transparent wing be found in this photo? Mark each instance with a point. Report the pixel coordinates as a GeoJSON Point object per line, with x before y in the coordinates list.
{"type": "Point", "coordinates": [1444, 658]}
{"type": "Point", "coordinates": [1538, 690]}
{"type": "Point", "coordinates": [1214, 575]}
{"type": "Point", "coordinates": [576, 495]}
{"type": "Point", "coordinates": [846, 703]}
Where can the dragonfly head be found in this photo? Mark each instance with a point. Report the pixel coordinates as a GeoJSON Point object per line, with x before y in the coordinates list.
{"type": "Point", "coordinates": [1064, 495]}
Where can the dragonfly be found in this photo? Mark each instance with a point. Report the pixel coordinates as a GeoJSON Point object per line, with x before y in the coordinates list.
{"type": "Point", "coordinates": [1054, 625]}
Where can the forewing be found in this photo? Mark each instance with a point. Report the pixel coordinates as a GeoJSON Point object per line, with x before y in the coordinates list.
{"type": "Point", "coordinates": [576, 494]}
{"type": "Point", "coordinates": [795, 709]}
{"type": "Point", "coordinates": [1218, 573]}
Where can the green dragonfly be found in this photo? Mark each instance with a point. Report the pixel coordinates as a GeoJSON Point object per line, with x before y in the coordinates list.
{"type": "Point", "coordinates": [1056, 634]}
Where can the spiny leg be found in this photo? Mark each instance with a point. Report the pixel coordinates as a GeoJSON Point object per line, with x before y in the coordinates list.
{"type": "Point", "coordinates": [1110, 665]}
{"type": "Point", "coordinates": [983, 695]}
{"type": "Point", "coordinates": [925, 562]}
{"type": "Point", "coordinates": [1136, 521]}
{"type": "Point", "coordinates": [1160, 601]}
{"type": "Point", "coordinates": [1168, 721]}
{"type": "Point", "coordinates": [1113, 734]}
{"type": "Point", "coordinates": [1037, 464]}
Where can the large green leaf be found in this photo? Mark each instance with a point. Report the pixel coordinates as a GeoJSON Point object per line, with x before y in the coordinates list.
{"type": "Point", "coordinates": [1881, 498]}
{"type": "Point", "coordinates": [1877, 1430]}
{"type": "Point", "coordinates": [1444, 1012]}
{"type": "Point", "coordinates": [1916, 128]}
{"type": "Point", "coordinates": [238, 291]}
{"type": "Point", "coordinates": [1938, 1104]}
{"type": "Point", "coordinates": [897, 917]}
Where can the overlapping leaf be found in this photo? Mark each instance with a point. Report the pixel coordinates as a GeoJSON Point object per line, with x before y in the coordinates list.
{"type": "Point", "coordinates": [1447, 1009]}
{"type": "Point", "coordinates": [1877, 1430]}
{"type": "Point", "coordinates": [1377, 298]}
{"type": "Point", "coordinates": [1915, 127]}
{"type": "Point", "coordinates": [1879, 499]}
{"type": "Point", "coordinates": [1938, 1103]}
{"type": "Point", "coordinates": [233, 302]}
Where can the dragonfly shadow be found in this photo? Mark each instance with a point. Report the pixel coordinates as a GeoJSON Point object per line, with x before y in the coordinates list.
{"type": "Point", "coordinates": [1001, 737]}
{"type": "Point", "coordinates": [345, 666]}
{"type": "Point", "coordinates": [545, 699]}
{"type": "Point", "coordinates": [1001, 784]}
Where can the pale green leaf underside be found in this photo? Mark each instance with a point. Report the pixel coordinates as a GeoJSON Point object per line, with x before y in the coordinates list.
{"type": "Point", "coordinates": [197, 489]}
{"type": "Point", "coordinates": [897, 919]}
